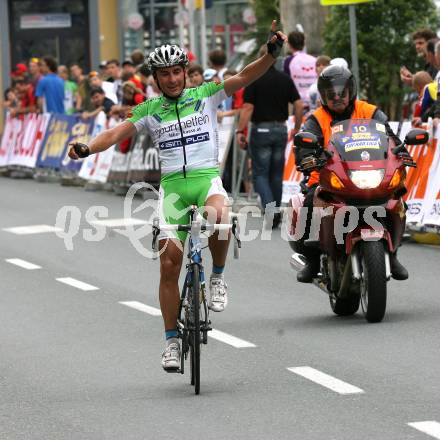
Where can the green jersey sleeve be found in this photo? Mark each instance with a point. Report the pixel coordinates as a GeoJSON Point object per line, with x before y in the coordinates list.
{"type": "Point", "coordinates": [212, 91]}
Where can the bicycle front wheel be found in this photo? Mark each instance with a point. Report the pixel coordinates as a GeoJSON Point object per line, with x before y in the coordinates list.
{"type": "Point", "coordinates": [195, 336]}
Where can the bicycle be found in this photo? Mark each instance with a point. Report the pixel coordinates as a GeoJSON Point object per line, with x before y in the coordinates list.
{"type": "Point", "coordinates": [193, 322]}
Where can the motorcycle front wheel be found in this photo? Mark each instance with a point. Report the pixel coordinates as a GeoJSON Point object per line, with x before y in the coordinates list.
{"type": "Point", "coordinates": [373, 280]}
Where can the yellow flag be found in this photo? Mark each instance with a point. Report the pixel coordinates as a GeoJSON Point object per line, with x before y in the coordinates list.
{"type": "Point", "coordinates": [342, 2]}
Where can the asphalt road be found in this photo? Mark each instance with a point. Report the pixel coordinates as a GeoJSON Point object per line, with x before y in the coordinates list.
{"type": "Point", "coordinates": [78, 364]}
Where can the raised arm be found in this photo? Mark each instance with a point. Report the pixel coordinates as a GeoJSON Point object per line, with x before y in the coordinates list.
{"type": "Point", "coordinates": [106, 139]}
{"type": "Point", "coordinates": [258, 67]}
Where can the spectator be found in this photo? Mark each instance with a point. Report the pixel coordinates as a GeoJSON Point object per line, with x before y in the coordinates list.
{"type": "Point", "coordinates": [27, 102]}
{"type": "Point", "coordinates": [195, 75]}
{"type": "Point", "coordinates": [129, 74]}
{"type": "Point", "coordinates": [300, 66]}
{"type": "Point", "coordinates": [437, 59]}
{"type": "Point", "coordinates": [96, 82]}
{"type": "Point", "coordinates": [431, 58]}
{"type": "Point", "coordinates": [50, 88]}
{"type": "Point", "coordinates": [115, 76]}
{"type": "Point", "coordinates": [10, 100]}
{"type": "Point", "coordinates": [100, 103]}
{"type": "Point", "coordinates": [420, 81]}
{"type": "Point", "coordinates": [131, 96]}
{"type": "Point", "coordinates": [217, 60]}
{"type": "Point", "coordinates": [34, 71]}
{"type": "Point", "coordinates": [429, 99]}
{"type": "Point", "coordinates": [266, 103]}
{"type": "Point", "coordinates": [137, 56]}
{"type": "Point", "coordinates": [341, 62]}
{"type": "Point", "coordinates": [315, 100]}
{"type": "Point", "coordinates": [83, 101]}
{"type": "Point", "coordinates": [151, 88]}
{"type": "Point", "coordinates": [20, 71]}
{"type": "Point", "coordinates": [210, 75]}
{"type": "Point", "coordinates": [103, 70]}
{"type": "Point", "coordinates": [420, 40]}
{"type": "Point", "coordinates": [70, 90]}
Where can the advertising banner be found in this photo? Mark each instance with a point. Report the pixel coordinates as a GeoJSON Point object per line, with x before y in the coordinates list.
{"type": "Point", "coordinates": [13, 127]}
{"type": "Point", "coordinates": [80, 131]}
{"type": "Point", "coordinates": [24, 152]}
{"type": "Point", "coordinates": [55, 141]}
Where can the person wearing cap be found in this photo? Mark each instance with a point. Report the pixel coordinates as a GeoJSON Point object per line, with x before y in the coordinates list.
{"type": "Point", "coordinates": [70, 90]}
{"type": "Point", "coordinates": [50, 88]}
{"type": "Point", "coordinates": [210, 75]}
{"type": "Point", "coordinates": [34, 71]}
{"type": "Point", "coordinates": [20, 71]}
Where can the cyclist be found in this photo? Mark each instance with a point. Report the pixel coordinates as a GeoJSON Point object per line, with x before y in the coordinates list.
{"type": "Point", "coordinates": [337, 88]}
{"type": "Point", "coordinates": [183, 124]}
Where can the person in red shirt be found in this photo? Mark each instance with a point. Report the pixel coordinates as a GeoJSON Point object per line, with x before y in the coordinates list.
{"type": "Point", "coordinates": [26, 98]}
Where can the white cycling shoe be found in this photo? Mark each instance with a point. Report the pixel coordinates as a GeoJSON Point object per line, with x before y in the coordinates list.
{"type": "Point", "coordinates": [218, 299]}
{"type": "Point", "coordinates": [171, 357]}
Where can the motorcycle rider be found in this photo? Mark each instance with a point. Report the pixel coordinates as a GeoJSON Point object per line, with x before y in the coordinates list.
{"type": "Point", "coordinates": [337, 87]}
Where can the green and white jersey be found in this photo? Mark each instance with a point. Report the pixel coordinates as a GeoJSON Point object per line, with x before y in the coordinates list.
{"type": "Point", "coordinates": [184, 130]}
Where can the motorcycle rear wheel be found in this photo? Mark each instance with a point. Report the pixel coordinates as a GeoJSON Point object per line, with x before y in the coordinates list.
{"type": "Point", "coordinates": [373, 280]}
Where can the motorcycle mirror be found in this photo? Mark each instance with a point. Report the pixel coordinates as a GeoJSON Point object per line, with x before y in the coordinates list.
{"type": "Point", "coordinates": [416, 137]}
{"type": "Point", "coordinates": [306, 140]}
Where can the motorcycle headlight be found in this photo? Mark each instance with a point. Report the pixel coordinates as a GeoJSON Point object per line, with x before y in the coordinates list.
{"type": "Point", "coordinates": [367, 179]}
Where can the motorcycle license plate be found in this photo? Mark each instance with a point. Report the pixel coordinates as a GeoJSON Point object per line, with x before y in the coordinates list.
{"type": "Point", "coordinates": [371, 234]}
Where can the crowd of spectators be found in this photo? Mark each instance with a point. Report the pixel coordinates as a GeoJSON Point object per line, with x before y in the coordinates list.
{"type": "Point", "coordinates": [41, 85]}
{"type": "Point", "coordinates": [425, 83]}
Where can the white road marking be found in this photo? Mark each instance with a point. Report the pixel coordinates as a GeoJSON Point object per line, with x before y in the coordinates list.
{"type": "Point", "coordinates": [22, 263]}
{"type": "Point", "coordinates": [76, 283]}
{"type": "Point", "coordinates": [229, 339]}
{"type": "Point", "coordinates": [34, 229]}
{"type": "Point", "coordinates": [118, 222]}
{"type": "Point", "coordinates": [430, 427]}
{"type": "Point", "coordinates": [142, 307]}
{"type": "Point", "coordinates": [215, 334]}
{"type": "Point", "coordinates": [326, 380]}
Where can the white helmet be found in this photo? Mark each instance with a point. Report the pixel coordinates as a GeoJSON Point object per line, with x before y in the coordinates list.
{"type": "Point", "coordinates": [167, 55]}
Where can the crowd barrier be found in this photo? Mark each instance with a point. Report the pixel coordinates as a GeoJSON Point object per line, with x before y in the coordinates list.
{"type": "Point", "coordinates": [40, 142]}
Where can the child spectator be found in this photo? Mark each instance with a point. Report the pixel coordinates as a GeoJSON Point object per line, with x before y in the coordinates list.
{"type": "Point", "coordinates": [195, 75]}
{"type": "Point", "coordinates": [321, 63]}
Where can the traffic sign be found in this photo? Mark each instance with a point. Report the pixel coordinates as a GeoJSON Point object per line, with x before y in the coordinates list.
{"type": "Point", "coordinates": [343, 2]}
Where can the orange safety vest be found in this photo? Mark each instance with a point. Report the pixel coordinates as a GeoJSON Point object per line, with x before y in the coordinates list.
{"type": "Point", "coordinates": [362, 110]}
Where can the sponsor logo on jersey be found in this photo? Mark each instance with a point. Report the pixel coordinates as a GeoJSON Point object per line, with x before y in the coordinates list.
{"type": "Point", "coordinates": [192, 121]}
{"type": "Point", "coordinates": [188, 140]}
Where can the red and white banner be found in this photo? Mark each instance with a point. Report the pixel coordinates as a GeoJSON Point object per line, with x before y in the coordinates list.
{"type": "Point", "coordinates": [29, 140]}
{"type": "Point", "coordinates": [97, 166]}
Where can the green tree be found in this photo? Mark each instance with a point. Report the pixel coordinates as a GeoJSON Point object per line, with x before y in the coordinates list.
{"type": "Point", "coordinates": [384, 30]}
{"type": "Point", "coordinates": [265, 12]}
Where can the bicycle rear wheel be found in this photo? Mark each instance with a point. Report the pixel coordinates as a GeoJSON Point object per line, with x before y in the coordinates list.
{"type": "Point", "coordinates": [195, 336]}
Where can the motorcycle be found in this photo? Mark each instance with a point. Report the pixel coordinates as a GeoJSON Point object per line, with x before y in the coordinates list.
{"type": "Point", "coordinates": [358, 211]}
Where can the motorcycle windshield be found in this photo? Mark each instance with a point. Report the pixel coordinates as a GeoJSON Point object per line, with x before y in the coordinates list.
{"type": "Point", "coordinates": [360, 140]}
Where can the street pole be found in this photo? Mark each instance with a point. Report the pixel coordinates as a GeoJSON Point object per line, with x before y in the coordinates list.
{"type": "Point", "coordinates": [192, 37]}
{"type": "Point", "coordinates": [353, 39]}
{"type": "Point", "coordinates": [203, 35]}
{"type": "Point", "coordinates": [181, 24]}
